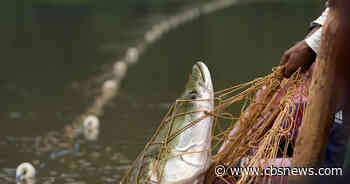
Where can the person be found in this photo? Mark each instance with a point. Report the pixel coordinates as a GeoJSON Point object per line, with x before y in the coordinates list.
{"type": "Point", "coordinates": [303, 54]}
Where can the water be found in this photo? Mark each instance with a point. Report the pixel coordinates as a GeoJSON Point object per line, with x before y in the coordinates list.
{"type": "Point", "coordinates": [55, 56]}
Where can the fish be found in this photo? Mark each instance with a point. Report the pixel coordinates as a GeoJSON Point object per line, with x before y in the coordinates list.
{"type": "Point", "coordinates": [187, 137]}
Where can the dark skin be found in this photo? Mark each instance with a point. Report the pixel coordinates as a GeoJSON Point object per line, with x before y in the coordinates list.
{"type": "Point", "coordinates": [300, 55]}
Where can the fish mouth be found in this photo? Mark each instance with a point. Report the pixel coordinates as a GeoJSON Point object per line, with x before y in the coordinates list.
{"type": "Point", "coordinates": [204, 73]}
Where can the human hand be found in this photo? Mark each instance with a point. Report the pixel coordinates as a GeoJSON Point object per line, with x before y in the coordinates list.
{"type": "Point", "coordinates": [300, 55]}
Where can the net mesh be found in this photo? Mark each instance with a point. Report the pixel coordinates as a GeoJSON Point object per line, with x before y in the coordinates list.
{"type": "Point", "coordinates": [262, 133]}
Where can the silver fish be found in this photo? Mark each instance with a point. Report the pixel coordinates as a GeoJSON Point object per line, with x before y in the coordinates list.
{"type": "Point", "coordinates": [187, 138]}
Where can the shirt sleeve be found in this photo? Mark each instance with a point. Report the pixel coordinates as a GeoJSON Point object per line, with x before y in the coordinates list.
{"type": "Point", "coordinates": [314, 41]}
{"type": "Point", "coordinates": [322, 19]}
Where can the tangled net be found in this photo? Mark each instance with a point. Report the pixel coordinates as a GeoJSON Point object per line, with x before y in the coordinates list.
{"type": "Point", "coordinates": [262, 133]}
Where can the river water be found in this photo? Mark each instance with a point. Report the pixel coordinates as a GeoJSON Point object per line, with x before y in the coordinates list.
{"type": "Point", "coordinates": [56, 55]}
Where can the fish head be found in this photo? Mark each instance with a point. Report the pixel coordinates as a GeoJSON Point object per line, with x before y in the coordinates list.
{"type": "Point", "coordinates": [197, 99]}
{"type": "Point", "coordinates": [199, 85]}
{"type": "Point", "coordinates": [190, 150]}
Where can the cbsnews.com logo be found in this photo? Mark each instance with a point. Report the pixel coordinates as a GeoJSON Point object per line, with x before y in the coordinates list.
{"type": "Point", "coordinates": [221, 170]}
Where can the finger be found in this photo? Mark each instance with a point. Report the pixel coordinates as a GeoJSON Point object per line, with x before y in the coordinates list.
{"type": "Point", "coordinates": [291, 66]}
{"type": "Point", "coordinates": [306, 67]}
{"type": "Point", "coordinates": [285, 58]}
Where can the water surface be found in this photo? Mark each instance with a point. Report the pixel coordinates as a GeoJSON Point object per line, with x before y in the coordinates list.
{"type": "Point", "coordinates": [55, 56]}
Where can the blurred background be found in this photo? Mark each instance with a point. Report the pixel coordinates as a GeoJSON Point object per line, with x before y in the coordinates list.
{"type": "Point", "coordinates": [57, 53]}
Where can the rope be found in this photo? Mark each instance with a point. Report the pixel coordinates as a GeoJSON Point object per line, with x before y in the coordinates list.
{"type": "Point", "coordinates": [60, 153]}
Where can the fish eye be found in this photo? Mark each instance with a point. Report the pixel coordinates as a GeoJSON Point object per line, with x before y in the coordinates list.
{"type": "Point", "coordinates": [193, 95]}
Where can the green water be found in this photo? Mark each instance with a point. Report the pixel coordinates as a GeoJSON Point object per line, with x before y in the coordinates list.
{"type": "Point", "coordinates": [55, 56]}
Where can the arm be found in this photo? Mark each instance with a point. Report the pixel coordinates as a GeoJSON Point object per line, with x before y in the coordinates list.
{"type": "Point", "coordinates": [304, 52]}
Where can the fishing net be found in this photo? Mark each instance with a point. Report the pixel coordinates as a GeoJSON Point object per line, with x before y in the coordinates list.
{"type": "Point", "coordinates": [260, 134]}
{"type": "Point", "coordinates": [152, 159]}
{"type": "Point", "coordinates": [263, 133]}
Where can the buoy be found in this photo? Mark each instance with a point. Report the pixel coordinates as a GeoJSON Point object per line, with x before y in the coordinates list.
{"type": "Point", "coordinates": [120, 69]}
{"type": "Point", "coordinates": [109, 85]}
{"type": "Point", "coordinates": [91, 126]}
{"type": "Point", "coordinates": [132, 55]}
{"type": "Point", "coordinates": [25, 173]}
